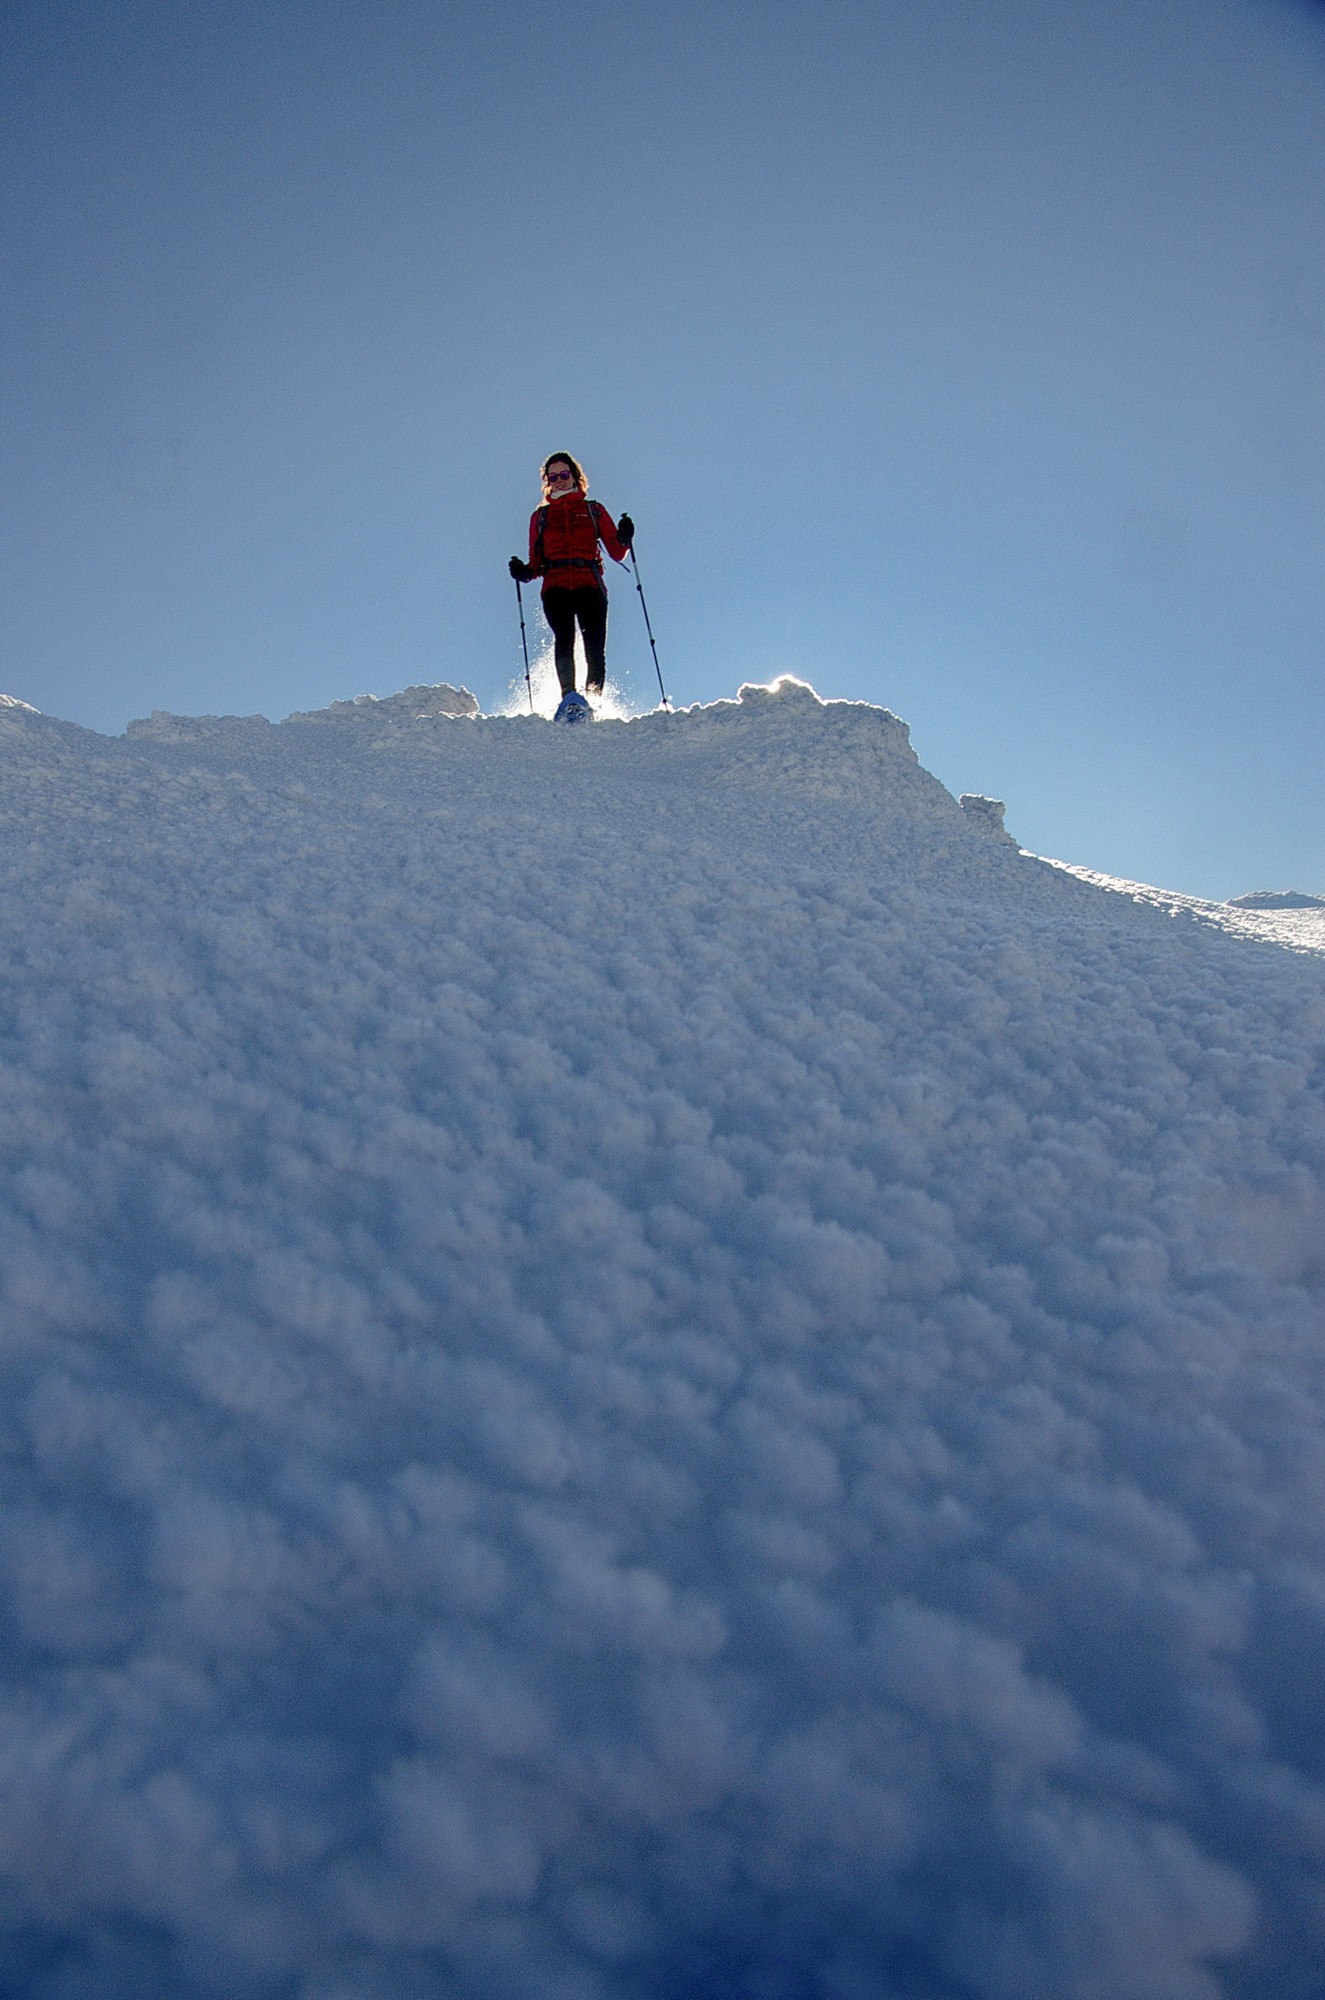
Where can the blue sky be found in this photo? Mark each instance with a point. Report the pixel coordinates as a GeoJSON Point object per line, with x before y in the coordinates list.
{"type": "Point", "coordinates": [965, 359]}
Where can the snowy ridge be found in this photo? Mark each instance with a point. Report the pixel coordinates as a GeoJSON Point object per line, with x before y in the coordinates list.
{"type": "Point", "coordinates": [639, 1364]}
{"type": "Point", "coordinates": [1291, 918]}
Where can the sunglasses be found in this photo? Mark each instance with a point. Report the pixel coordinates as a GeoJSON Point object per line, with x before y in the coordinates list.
{"type": "Point", "coordinates": [555, 478]}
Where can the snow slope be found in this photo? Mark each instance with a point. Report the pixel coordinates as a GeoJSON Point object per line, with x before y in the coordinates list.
{"type": "Point", "coordinates": [643, 1362]}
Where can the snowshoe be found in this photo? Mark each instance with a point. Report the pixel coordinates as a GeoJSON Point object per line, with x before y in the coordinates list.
{"type": "Point", "coordinates": [573, 708]}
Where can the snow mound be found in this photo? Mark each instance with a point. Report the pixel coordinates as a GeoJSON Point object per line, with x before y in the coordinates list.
{"type": "Point", "coordinates": [21, 722]}
{"type": "Point", "coordinates": [636, 1364]}
{"type": "Point", "coordinates": [987, 814]}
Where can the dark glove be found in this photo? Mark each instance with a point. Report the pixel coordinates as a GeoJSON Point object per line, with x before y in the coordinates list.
{"type": "Point", "coordinates": [625, 528]}
{"type": "Point", "coordinates": [520, 570]}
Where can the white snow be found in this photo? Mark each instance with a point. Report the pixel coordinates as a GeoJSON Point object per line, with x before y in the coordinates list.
{"type": "Point", "coordinates": [639, 1364]}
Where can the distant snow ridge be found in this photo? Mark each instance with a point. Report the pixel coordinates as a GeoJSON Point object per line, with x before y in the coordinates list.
{"type": "Point", "coordinates": [1279, 917]}
{"type": "Point", "coordinates": [637, 1365]}
{"type": "Point", "coordinates": [1277, 899]}
{"type": "Point", "coordinates": [413, 704]}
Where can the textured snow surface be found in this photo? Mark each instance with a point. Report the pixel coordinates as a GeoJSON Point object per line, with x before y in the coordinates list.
{"type": "Point", "coordinates": [639, 1365]}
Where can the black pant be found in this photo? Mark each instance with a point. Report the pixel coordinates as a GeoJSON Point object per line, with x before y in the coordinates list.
{"type": "Point", "coordinates": [562, 608]}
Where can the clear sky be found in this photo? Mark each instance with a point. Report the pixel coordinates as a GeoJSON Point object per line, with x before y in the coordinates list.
{"type": "Point", "coordinates": [965, 358]}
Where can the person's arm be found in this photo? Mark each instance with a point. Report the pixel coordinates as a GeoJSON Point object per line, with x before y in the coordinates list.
{"type": "Point", "coordinates": [526, 572]}
{"type": "Point", "coordinates": [607, 534]}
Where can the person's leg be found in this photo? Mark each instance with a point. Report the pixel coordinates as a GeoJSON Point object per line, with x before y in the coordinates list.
{"type": "Point", "coordinates": [593, 624]}
{"type": "Point", "coordinates": [559, 610]}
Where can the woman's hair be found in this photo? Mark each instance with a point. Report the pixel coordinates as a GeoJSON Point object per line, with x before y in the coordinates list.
{"type": "Point", "coordinates": [564, 458]}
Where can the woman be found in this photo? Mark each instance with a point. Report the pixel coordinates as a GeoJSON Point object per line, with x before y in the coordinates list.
{"type": "Point", "coordinates": [564, 534]}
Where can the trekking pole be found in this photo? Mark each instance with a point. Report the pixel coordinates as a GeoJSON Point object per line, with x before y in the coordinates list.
{"type": "Point", "coordinates": [647, 626]}
{"type": "Point", "coordinates": [524, 644]}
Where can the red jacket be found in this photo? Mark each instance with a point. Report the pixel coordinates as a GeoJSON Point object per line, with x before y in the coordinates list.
{"type": "Point", "coordinates": [563, 542]}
